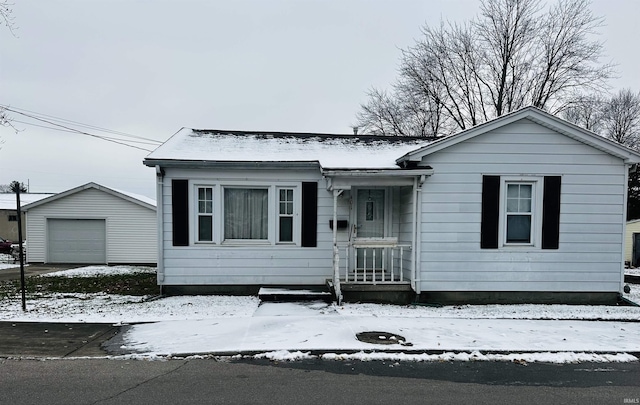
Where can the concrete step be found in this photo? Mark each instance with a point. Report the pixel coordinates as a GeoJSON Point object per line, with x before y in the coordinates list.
{"type": "Point", "coordinates": [291, 294]}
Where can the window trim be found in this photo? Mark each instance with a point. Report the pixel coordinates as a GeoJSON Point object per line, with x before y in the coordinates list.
{"type": "Point", "coordinates": [295, 216]}
{"type": "Point", "coordinates": [272, 219]}
{"type": "Point", "coordinates": [536, 211]}
{"type": "Point", "coordinates": [198, 214]}
{"type": "Point", "coordinates": [270, 207]}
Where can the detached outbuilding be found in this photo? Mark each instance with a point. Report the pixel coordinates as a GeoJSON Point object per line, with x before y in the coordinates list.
{"type": "Point", "coordinates": [92, 224]}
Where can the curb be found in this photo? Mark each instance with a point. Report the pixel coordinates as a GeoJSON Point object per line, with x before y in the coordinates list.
{"type": "Point", "coordinates": [321, 352]}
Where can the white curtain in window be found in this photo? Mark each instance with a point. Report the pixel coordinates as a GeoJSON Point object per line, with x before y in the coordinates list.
{"type": "Point", "coordinates": [246, 213]}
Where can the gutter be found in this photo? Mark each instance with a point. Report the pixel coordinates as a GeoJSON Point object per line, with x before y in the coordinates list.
{"type": "Point", "coordinates": [242, 165]}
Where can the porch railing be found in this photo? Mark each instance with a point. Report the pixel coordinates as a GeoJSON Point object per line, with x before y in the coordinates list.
{"type": "Point", "coordinates": [376, 261]}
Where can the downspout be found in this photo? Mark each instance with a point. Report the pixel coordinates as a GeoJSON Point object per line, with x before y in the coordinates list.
{"type": "Point", "coordinates": [336, 254]}
{"type": "Point", "coordinates": [159, 219]}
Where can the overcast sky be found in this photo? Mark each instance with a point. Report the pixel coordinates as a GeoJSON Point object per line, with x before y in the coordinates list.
{"type": "Point", "coordinates": [149, 68]}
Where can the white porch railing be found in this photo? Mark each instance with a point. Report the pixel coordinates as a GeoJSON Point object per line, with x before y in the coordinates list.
{"type": "Point", "coordinates": [376, 261]}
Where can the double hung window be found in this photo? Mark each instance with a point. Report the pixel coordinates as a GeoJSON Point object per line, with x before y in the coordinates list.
{"type": "Point", "coordinates": [519, 213]}
{"type": "Point", "coordinates": [285, 215]}
{"type": "Point", "coordinates": [205, 214]}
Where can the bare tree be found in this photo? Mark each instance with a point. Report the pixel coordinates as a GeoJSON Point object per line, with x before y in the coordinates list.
{"type": "Point", "coordinates": [515, 53]}
{"type": "Point", "coordinates": [6, 18]}
{"type": "Point", "coordinates": [6, 15]}
{"type": "Point", "coordinates": [621, 118]}
{"type": "Point", "coordinates": [616, 118]}
{"type": "Point", "coordinates": [585, 111]}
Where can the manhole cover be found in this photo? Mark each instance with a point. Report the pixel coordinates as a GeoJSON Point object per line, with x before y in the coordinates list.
{"type": "Point", "coordinates": [382, 338]}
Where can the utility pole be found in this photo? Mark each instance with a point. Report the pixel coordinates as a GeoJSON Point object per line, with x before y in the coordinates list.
{"type": "Point", "coordinates": [16, 186]}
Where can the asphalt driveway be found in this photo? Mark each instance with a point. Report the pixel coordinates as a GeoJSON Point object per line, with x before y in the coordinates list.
{"type": "Point", "coordinates": [34, 270]}
{"type": "Point", "coordinates": [35, 339]}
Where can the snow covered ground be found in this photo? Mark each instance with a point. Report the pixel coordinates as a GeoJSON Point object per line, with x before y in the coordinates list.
{"type": "Point", "coordinates": [7, 262]}
{"type": "Point", "coordinates": [188, 325]}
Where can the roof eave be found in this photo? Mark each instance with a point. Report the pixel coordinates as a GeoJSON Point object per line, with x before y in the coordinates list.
{"type": "Point", "coordinates": [214, 164]}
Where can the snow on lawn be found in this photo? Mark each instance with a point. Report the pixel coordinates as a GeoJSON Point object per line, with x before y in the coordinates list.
{"type": "Point", "coordinates": [92, 271]}
{"type": "Point", "coordinates": [632, 272]}
{"type": "Point", "coordinates": [7, 262]}
{"type": "Point", "coordinates": [113, 308]}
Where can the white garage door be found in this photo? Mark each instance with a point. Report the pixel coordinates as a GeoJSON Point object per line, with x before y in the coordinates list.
{"type": "Point", "coordinates": [76, 241]}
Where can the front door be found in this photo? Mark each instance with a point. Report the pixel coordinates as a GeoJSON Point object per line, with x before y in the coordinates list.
{"type": "Point", "coordinates": [370, 223]}
{"type": "Point", "coordinates": [370, 213]}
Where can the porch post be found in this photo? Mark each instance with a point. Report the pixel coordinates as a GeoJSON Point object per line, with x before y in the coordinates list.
{"type": "Point", "coordinates": [336, 254]}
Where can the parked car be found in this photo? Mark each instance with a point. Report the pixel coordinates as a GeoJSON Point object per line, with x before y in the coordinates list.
{"type": "Point", "coordinates": [15, 251]}
{"type": "Point", "coordinates": [5, 246]}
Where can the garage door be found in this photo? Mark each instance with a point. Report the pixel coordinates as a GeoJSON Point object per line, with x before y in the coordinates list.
{"type": "Point", "coordinates": [76, 241]}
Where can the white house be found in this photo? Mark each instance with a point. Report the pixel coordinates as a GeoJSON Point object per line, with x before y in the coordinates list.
{"type": "Point", "coordinates": [92, 224]}
{"type": "Point", "coordinates": [526, 207]}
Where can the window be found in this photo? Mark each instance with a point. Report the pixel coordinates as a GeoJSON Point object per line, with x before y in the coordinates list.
{"type": "Point", "coordinates": [205, 214]}
{"type": "Point", "coordinates": [519, 213]}
{"type": "Point", "coordinates": [285, 215]}
{"type": "Point", "coordinates": [13, 218]}
{"type": "Point", "coordinates": [246, 213]}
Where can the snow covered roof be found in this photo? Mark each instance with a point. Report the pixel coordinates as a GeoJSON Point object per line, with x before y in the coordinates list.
{"type": "Point", "coordinates": [135, 198]}
{"type": "Point", "coordinates": [8, 200]}
{"type": "Point", "coordinates": [329, 151]}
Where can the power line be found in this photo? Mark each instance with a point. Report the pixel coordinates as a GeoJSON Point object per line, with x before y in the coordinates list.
{"type": "Point", "coordinates": [76, 130]}
{"type": "Point", "coordinates": [118, 141]}
{"type": "Point", "coordinates": [64, 120]}
{"type": "Point", "coordinates": [67, 130]}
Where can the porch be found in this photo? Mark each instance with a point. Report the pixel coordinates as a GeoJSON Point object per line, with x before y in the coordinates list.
{"type": "Point", "coordinates": [375, 259]}
{"type": "Point", "coordinates": [375, 270]}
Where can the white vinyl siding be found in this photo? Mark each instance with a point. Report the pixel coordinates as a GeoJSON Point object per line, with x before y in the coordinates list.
{"type": "Point", "coordinates": [591, 215]}
{"type": "Point", "coordinates": [250, 264]}
{"type": "Point", "coordinates": [131, 228]}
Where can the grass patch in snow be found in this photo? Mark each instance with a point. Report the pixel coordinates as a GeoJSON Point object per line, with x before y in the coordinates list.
{"type": "Point", "coordinates": [124, 284]}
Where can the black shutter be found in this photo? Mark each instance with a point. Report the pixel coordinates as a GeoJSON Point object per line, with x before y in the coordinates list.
{"type": "Point", "coordinates": [551, 212]}
{"type": "Point", "coordinates": [180, 212]}
{"type": "Point", "coordinates": [309, 214]}
{"type": "Point", "coordinates": [490, 212]}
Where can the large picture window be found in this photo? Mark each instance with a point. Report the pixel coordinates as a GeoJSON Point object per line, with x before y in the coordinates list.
{"type": "Point", "coordinates": [246, 213]}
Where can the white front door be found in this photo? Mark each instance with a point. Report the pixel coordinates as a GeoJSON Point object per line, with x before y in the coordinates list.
{"type": "Point", "coordinates": [370, 223]}
{"type": "Point", "coordinates": [370, 213]}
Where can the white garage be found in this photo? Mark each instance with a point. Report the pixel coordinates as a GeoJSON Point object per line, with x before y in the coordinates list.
{"type": "Point", "coordinates": [92, 224]}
